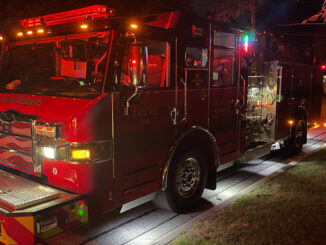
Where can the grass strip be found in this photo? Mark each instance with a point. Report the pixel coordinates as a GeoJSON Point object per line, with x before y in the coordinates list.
{"type": "Point", "coordinates": [289, 209]}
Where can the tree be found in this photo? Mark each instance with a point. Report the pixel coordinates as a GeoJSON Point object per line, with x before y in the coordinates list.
{"type": "Point", "coordinates": [318, 18]}
{"type": "Point", "coordinates": [230, 10]}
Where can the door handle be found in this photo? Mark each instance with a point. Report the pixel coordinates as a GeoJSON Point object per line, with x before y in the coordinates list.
{"type": "Point", "coordinates": [174, 114]}
{"type": "Point", "coordinates": [203, 95]}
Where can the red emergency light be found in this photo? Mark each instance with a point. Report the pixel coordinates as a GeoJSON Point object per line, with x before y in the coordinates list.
{"type": "Point", "coordinates": [94, 11]}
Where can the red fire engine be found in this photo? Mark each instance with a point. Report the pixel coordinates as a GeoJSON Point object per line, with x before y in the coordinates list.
{"type": "Point", "coordinates": [99, 111]}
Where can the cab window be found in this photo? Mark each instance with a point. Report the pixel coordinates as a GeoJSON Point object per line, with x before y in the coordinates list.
{"type": "Point", "coordinates": [223, 67]}
{"type": "Point", "coordinates": [223, 60]}
{"type": "Point", "coordinates": [196, 57]}
{"type": "Point", "coordinates": [158, 63]}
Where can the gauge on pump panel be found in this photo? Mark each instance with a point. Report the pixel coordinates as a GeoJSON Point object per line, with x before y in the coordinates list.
{"type": "Point", "coordinates": [271, 83]}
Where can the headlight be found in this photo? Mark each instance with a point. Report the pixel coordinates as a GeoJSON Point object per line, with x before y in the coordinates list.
{"type": "Point", "coordinates": [60, 150]}
{"type": "Point", "coordinates": [53, 152]}
{"type": "Point", "coordinates": [49, 152]}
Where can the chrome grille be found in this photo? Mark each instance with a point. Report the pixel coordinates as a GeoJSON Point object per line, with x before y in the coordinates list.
{"type": "Point", "coordinates": [16, 145]}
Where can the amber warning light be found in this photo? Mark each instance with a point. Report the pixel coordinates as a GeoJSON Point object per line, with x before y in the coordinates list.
{"type": "Point", "coordinates": [84, 26]}
{"type": "Point", "coordinates": [133, 26]}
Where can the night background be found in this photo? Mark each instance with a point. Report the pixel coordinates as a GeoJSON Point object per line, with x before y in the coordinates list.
{"type": "Point", "coordinates": [268, 12]}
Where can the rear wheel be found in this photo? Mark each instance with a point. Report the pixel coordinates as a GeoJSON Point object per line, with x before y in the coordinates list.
{"type": "Point", "coordinates": [187, 179]}
{"type": "Point", "coordinates": [298, 135]}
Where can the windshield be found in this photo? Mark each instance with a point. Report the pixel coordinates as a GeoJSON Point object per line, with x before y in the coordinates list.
{"type": "Point", "coordinates": [70, 67]}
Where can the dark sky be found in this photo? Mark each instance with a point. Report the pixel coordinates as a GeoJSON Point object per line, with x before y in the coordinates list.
{"type": "Point", "coordinates": [270, 12]}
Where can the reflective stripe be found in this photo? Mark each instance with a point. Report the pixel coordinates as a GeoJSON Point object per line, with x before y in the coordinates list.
{"type": "Point", "coordinates": [27, 222]}
{"type": "Point", "coordinates": [17, 230]}
{"type": "Point", "coordinates": [4, 238]}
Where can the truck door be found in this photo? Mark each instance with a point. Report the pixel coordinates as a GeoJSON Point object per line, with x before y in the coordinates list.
{"type": "Point", "coordinates": [143, 135]}
{"type": "Point", "coordinates": [192, 95]}
{"type": "Point", "coordinates": [225, 98]}
{"type": "Point", "coordinates": [196, 85]}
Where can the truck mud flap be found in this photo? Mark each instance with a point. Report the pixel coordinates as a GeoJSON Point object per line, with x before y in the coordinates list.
{"type": "Point", "coordinates": [31, 212]}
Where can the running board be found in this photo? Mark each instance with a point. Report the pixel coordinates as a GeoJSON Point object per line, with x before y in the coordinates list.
{"type": "Point", "coordinates": [259, 151]}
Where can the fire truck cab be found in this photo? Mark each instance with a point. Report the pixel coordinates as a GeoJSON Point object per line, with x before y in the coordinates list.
{"type": "Point", "coordinates": [101, 111]}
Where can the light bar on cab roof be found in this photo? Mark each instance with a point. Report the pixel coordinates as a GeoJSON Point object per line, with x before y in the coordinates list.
{"type": "Point", "coordinates": [94, 11]}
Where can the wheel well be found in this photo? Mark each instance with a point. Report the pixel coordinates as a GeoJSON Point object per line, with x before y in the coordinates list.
{"type": "Point", "coordinates": [202, 140]}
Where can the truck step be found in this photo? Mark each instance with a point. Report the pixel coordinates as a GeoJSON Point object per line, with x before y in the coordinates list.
{"type": "Point", "coordinates": [18, 193]}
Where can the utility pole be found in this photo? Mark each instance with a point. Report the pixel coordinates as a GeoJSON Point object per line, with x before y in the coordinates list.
{"type": "Point", "coordinates": [253, 15]}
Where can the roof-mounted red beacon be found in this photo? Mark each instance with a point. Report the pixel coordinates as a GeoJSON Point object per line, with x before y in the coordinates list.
{"type": "Point", "coordinates": [93, 12]}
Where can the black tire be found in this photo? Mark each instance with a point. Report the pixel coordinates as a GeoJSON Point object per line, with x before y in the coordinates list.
{"type": "Point", "coordinates": [298, 135]}
{"type": "Point", "coordinates": [186, 181]}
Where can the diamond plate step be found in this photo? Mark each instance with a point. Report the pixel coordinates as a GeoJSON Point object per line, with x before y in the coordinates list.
{"type": "Point", "coordinates": [18, 193]}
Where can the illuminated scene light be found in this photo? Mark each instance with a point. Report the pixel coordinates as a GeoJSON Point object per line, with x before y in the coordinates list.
{"type": "Point", "coordinates": [291, 122]}
{"type": "Point", "coordinates": [1, 38]}
{"type": "Point", "coordinates": [20, 34]}
{"type": "Point", "coordinates": [40, 31]}
{"type": "Point", "coordinates": [29, 33]}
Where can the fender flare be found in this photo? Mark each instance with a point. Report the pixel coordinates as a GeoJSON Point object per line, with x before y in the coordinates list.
{"type": "Point", "coordinates": [190, 132]}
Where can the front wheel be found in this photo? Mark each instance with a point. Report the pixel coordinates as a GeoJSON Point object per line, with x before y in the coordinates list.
{"type": "Point", "coordinates": [298, 135]}
{"type": "Point", "coordinates": [187, 179]}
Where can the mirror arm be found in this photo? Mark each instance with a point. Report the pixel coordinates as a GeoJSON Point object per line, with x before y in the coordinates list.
{"type": "Point", "coordinates": [134, 94]}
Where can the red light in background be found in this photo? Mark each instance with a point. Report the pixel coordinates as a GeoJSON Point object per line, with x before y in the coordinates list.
{"type": "Point", "coordinates": [134, 62]}
{"type": "Point", "coordinates": [323, 67]}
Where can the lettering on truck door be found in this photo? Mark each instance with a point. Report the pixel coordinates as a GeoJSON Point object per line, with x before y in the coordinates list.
{"type": "Point", "coordinates": [143, 137]}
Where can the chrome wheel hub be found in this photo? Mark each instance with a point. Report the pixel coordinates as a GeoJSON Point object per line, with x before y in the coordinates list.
{"type": "Point", "coordinates": [188, 177]}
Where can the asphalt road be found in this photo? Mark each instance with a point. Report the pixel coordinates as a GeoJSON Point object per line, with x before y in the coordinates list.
{"type": "Point", "coordinates": [147, 224]}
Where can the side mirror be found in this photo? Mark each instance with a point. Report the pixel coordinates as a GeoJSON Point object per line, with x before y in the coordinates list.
{"type": "Point", "coordinates": [138, 64]}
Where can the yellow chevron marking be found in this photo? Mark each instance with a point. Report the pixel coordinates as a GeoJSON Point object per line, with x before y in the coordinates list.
{"type": "Point", "coordinates": [4, 238]}
{"type": "Point", "coordinates": [27, 222]}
